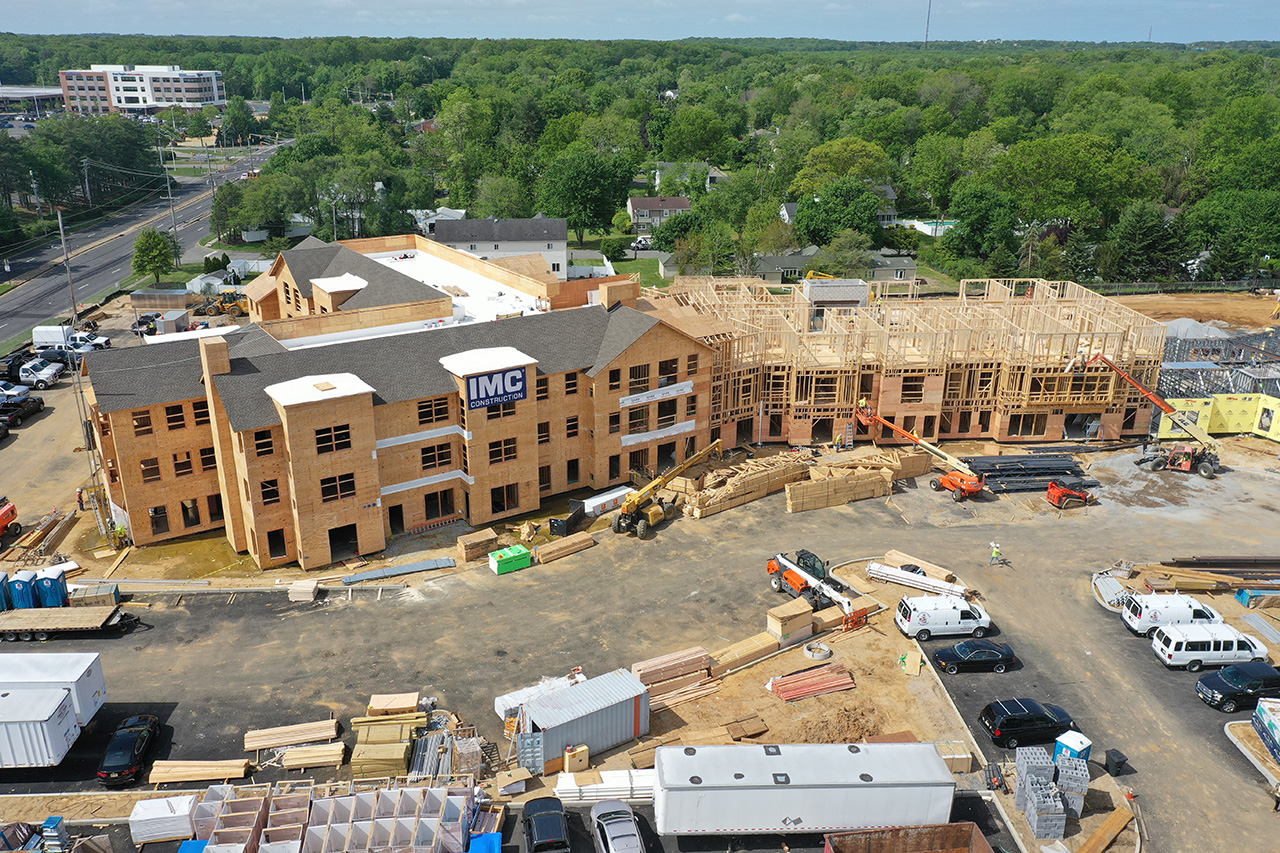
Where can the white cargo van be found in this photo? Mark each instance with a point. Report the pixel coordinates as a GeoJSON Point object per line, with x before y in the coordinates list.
{"type": "Point", "coordinates": [1143, 614]}
{"type": "Point", "coordinates": [927, 616]}
{"type": "Point", "coordinates": [1195, 646]}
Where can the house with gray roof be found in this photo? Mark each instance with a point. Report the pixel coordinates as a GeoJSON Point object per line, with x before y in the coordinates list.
{"type": "Point", "coordinates": [491, 239]}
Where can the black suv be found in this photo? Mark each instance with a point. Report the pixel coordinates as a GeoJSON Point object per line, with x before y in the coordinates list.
{"type": "Point", "coordinates": [16, 409]}
{"type": "Point", "coordinates": [545, 827]}
{"type": "Point", "coordinates": [1239, 686]}
{"type": "Point", "coordinates": [1014, 722]}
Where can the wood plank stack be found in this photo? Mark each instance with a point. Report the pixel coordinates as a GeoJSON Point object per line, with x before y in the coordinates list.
{"type": "Point", "coordinates": [672, 665]}
{"type": "Point", "coordinates": [684, 694]}
{"type": "Point", "coordinates": [28, 542]}
{"type": "Point", "coordinates": [658, 688]}
{"type": "Point", "coordinates": [395, 728]}
{"type": "Point", "coordinates": [744, 727]}
{"type": "Point", "coordinates": [825, 620]}
{"type": "Point", "coordinates": [898, 559]}
{"type": "Point", "coordinates": [390, 704]}
{"type": "Point", "coordinates": [642, 756]}
{"type": "Point", "coordinates": [303, 590]}
{"type": "Point", "coordinates": [751, 480]}
{"type": "Point", "coordinates": [838, 486]}
{"type": "Point", "coordinates": [197, 771]}
{"type": "Point", "coordinates": [571, 544]}
{"type": "Point", "coordinates": [476, 546]}
{"type": "Point", "coordinates": [256, 739]}
{"type": "Point", "coordinates": [829, 678]}
{"type": "Point", "coordinates": [787, 619]}
{"type": "Point", "coordinates": [376, 760]}
{"type": "Point", "coordinates": [744, 652]}
{"type": "Point", "coordinates": [319, 755]}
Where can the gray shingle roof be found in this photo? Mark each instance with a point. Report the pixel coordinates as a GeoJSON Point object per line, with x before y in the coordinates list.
{"type": "Point", "coordinates": [665, 202]}
{"type": "Point", "coordinates": [538, 229]}
{"type": "Point", "coordinates": [407, 367]}
{"type": "Point", "coordinates": [314, 258]}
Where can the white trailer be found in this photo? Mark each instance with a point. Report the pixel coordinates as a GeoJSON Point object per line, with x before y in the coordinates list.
{"type": "Point", "coordinates": [80, 673]}
{"type": "Point", "coordinates": [37, 727]}
{"type": "Point", "coordinates": [799, 788]}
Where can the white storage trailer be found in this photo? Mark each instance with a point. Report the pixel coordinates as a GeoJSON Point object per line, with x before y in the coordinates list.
{"type": "Point", "coordinates": [80, 673]}
{"type": "Point", "coordinates": [799, 788]}
{"type": "Point", "coordinates": [37, 727]}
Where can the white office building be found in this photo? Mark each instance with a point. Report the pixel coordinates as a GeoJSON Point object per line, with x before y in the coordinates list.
{"type": "Point", "coordinates": [140, 88]}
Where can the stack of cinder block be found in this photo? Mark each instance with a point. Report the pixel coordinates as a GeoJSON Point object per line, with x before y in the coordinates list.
{"type": "Point", "coordinates": [1032, 762]}
{"type": "Point", "coordinates": [1073, 783]}
{"type": "Point", "coordinates": [1045, 814]}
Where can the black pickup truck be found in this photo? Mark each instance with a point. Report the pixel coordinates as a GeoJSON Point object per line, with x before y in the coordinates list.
{"type": "Point", "coordinates": [14, 410]}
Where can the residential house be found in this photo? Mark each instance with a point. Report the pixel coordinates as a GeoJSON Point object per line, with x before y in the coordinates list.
{"type": "Point", "coordinates": [489, 239]}
{"type": "Point", "coordinates": [427, 219]}
{"type": "Point", "coordinates": [779, 269]}
{"type": "Point", "coordinates": [648, 213]}
{"type": "Point", "coordinates": [890, 267]}
{"type": "Point", "coordinates": [886, 215]}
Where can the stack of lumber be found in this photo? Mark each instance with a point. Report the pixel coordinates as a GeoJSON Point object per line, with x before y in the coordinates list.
{"type": "Point", "coordinates": [572, 544]}
{"type": "Point", "coordinates": [825, 620]}
{"type": "Point", "coordinates": [375, 760]}
{"type": "Point", "coordinates": [684, 694]}
{"type": "Point", "coordinates": [642, 756]}
{"type": "Point", "coordinates": [751, 480]}
{"type": "Point", "coordinates": [670, 685]}
{"type": "Point", "coordinates": [674, 665]}
{"type": "Point", "coordinates": [838, 486]}
{"type": "Point", "coordinates": [394, 728]}
{"type": "Point", "coordinates": [685, 485]}
{"type": "Point", "coordinates": [790, 622]}
{"type": "Point", "coordinates": [197, 771]}
{"type": "Point", "coordinates": [901, 464]}
{"type": "Point", "coordinates": [476, 546]}
{"type": "Point", "coordinates": [744, 727]}
{"type": "Point", "coordinates": [744, 652]}
{"type": "Point", "coordinates": [319, 755]}
{"type": "Point", "coordinates": [829, 678]}
{"type": "Point", "coordinates": [389, 704]}
{"type": "Point", "coordinates": [303, 590]}
{"type": "Point", "coordinates": [29, 541]}
{"type": "Point", "coordinates": [290, 735]}
{"type": "Point", "coordinates": [898, 559]}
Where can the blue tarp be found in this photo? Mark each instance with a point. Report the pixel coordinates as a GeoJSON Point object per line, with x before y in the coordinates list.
{"type": "Point", "coordinates": [486, 842]}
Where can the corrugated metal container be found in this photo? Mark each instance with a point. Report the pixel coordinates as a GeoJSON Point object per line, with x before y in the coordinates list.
{"type": "Point", "coordinates": [601, 712]}
{"type": "Point", "coordinates": [37, 727]}
{"type": "Point", "coordinates": [513, 700]}
{"type": "Point", "coordinates": [793, 788]}
{"type": "Point", "coordinates": [79, 673]}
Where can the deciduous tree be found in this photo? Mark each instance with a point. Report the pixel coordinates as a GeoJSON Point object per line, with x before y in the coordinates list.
{"type": "Point", "coordinates": [155, 252]}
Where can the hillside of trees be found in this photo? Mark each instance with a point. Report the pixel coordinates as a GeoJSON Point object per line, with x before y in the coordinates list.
{"type": "Point", "coordinates": [1110, 162]}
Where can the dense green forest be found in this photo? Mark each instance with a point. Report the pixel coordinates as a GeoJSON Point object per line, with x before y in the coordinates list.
{"type": "Point", "coordinates": [1111, 162]}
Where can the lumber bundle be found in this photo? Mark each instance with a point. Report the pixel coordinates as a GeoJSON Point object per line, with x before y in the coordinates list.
{"type": "Point", "coordinates": [391, 704]}
{"type": "Point", "coordinates": [840, 486]}
{"type": "Point", "coordinates": [375, 760]}
{"type": "Point", "coordinates": [829, 678]}
{"type": "Point", "coordinates": [672, 665]}
{"type": "Point", "coordinates": [55, 535]}
{"type": "Point", "coordinates": [572, 544]}
{"type": "Point", "coordinates": [303, 590]}
{"type": "Point", "coordinates": [197, 771]}
{"type": "Point", "coordinates": [319, 755]}
{"type": "Point", "coordinates": [256, 739]}
{"type": "Point", "coordinates": [751, 480]}
{"type": "Point", "coordinates": [658, 688]}
{"type": "Point", "coordinates": [642, 756]}
{"type": "Point", "coordinates": [898, 559]}
{"type": "Point", "coordinates": [475, 546]}
{"type": "Point", "coordinates": [744, 652]}
{"type": "Point", "coordinates": [745, 727]}
{"type": "Point", "coordinates": [901, 464]}
{"type": "Point", "coordinates": [787, 619]}
{"type": "Point", "coordinates": [392, 728]}
{"type": "Point", "coordinates": [684, 694]}
{"type": "Point", "coordinates": [825, 620]}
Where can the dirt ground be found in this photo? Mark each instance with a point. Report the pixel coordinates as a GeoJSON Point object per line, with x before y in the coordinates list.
{"type": "Point", "coordinates": [1238, 311]}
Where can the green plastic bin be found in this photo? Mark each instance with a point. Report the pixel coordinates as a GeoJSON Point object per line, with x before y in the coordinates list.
{"type": "Point", "coordinates": [511, 559]}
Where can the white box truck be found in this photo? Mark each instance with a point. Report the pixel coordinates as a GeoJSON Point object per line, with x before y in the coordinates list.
{"type": "Point", "coordinates": [61, 336]}
{"type": "Point", "coordinates": [37, 727]}
{"type": "Point", "coordinates": [80, 673]}
{"type": "Point", "coordinates": [799, 788]}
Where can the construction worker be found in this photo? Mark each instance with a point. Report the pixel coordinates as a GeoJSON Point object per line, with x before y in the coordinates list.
{"type": "Point", "coordinates": [80, 499]}
{"type": "Point", "coordinates": [995, 554]}
{"type": "Point", "coordinates": [862, 404]}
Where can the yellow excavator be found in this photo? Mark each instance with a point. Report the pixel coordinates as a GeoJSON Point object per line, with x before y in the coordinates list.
{"type": "Point", "coordinates": [643, 510]}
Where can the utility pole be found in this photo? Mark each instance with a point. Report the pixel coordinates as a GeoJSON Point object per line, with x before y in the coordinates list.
{"type": "Point", "coordinates": [168, 187]}
{"type": "Point", "coordinates": [88, 197]}
{"type": "Point", "coordinates": [927, 17]}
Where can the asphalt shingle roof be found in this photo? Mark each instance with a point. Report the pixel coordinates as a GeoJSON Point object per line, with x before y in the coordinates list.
{"type": "Point", "coordinates": [313, 258]}
{"type": "Point", "coordinates": [538, 229]}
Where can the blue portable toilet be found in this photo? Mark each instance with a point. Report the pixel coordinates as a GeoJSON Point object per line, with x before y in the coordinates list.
{"type": "Point", "coordinates": [1073, 745]}
{"type": "Point", "coordinates": [4, 592]}
{"type": "Point", "coordinates": [22, 589]}
{"type": "Point", "coordinates": [51, 586]}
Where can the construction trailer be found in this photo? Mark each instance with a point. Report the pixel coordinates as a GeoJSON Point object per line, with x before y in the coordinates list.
{"type": "Point", "coordinates": [598, 713]}
{"type": "Point", "coordinates": [37, 727]}
{"type": "Point", "coordinates": [998, 361]}
{"type": "Point", "coordinates": [79, 673]}
{"type": "Point", "coordinates": [799, 788]}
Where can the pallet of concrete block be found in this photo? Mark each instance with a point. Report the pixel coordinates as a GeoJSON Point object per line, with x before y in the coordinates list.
{"type": "Point", "coordinates": [256, 739]}
{"type": "Point", "coordinates": [742, 653]}
{"type": "Point", "coordinates": [197, 771]}
{"type": "Point", "coordinates": [838, 486]}
{"type": "Point", "coordinates": [163, 819]}
{"type": "Point", "coordinates": [477, 545]}
{"type": "Point", "coordinates": [571, 544]}
{"type": "Point", "coordinates": [749, 481]}
{"type": "Point", "coordinates": [673, 665]}
{"type": "Point", "coordinates": [370, 760]}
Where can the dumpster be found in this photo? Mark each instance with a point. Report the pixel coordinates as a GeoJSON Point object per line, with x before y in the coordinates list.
{"type": "Point", "coordinates": [510, 559]}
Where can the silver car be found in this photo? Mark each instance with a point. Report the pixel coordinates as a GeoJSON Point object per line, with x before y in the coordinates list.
{"type": "Point", "coordinates": [614, 828]}
{"type": "Point", "coordinates": [12, 389]}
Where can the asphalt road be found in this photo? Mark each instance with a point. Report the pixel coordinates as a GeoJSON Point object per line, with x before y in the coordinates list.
{"type": "Point", "coordinates": [103, 267]}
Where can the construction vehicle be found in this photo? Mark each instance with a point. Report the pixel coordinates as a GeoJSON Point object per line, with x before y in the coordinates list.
{"type": "Point", "coordinates": [9, 525]}
{"type": "Point", "coordinates": [961, 481]}
{"type": "Point", "coordinates": [808, 577]}
{"type": "Point", "coordinates": [1202, 459]}
{"type": "Point", "coordinates": [642, 510]}
{"type": "Point", "coordinates": [1067, 493]}
{"type": "Point", "coordinates": [230, 302]}
{"type": "Point", "coordinates": [42, 623]}
{"type": "Point", "coordinates": [812, 274]}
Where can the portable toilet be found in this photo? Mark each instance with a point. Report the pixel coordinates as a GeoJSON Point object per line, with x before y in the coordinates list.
{"type": "Point", "coordinates": [51, 586]}
{"type": "Point", "coordinates": [1072, 745]}
{"type": "Point", "coordinates": [22, 590]}
{"type": "Point", "coordinates": [4, 592]}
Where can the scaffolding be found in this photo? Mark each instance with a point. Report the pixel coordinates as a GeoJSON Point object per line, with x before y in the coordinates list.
{"type": "Point", "coordinates": [1001, 359]}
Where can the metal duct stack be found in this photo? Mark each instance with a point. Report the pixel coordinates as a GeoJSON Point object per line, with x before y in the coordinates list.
{"type": "Point", "coordinates": [1026, 473]}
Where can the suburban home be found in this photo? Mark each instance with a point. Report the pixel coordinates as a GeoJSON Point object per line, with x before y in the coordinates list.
{"type": "Point", "coordinates": [669, 268]}
{"type": "Point", "coordinates": [887, 267]}
{"type": "Point", "coordinates": [491, 239]}
{"type": "Point", "coordinates": [648, 213]}
{"type": "Point", "coordinates": [787, 213]}
{"type": "Point", "coordinates": [778, 269]}
{"type": "Point", "coordinates": [427, 219]}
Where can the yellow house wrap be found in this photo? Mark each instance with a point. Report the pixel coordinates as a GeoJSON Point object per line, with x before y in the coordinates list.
{"type": "Point", "coordinates": [1228, 413]}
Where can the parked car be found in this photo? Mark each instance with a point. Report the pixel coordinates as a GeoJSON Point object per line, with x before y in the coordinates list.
{"type": "Point", "coordinates": [614, 828]}
{"type": "Point", "coordinates": [14, 410]}
{"type": "Point", "coordinates": [128, 749]}
{"type": "Point", "coordinates": [1014, 722]}
{"type": "Point", "coordinates": [545, 828]}
{"type": "Point", "coordinates": [975, 654]}
{"type": "Point", "coordinates": [69, 356]}
{"type": "Point", "coordinates": [13, 389]}
{"type": "Point", "coordinates": [1239, 686]}
{"type": "Point", "coordinates": [641, 243]}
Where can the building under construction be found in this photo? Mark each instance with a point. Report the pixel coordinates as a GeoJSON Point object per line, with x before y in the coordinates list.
{"type": "Point", "coordinates": [1006, 360]}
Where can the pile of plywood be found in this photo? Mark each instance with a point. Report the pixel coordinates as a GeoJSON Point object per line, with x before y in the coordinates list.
{"type": "Point", "coordinates": [393, 728]}
{"type": "Point", "coordinates": [290, 735]}
{"type": "Point", "coordinates": [303, 590]}
{"type": "Point", "coordinates": [376, 760]}
{"type": "Point", "coordinates": [563, 547]}
{"type": "Point", "coordinates": [696, 660]}
{"type": "Point", "coordinates": [197, 771]}
{"type": "Point", "coordinates": [744, 652]}
{"type": "Point", "coordinates": [727, 488]}
{"type": "Point", "coordinates": [836, 486]}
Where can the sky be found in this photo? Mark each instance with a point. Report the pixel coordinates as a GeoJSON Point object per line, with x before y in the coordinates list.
{"type": "Point", "coordinates": [855, 20]}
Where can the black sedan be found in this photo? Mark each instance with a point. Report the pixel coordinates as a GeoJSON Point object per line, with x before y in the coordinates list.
{"type": "Point", "coordinates": [127, 752]}
{"type": "Point", "coordinates": [975, 654]}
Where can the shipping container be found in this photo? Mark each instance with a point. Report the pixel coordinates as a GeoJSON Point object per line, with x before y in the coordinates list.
{"type": "Point", "coordinates": [37, 727]}
{"type": "Point", "coordinates": [80, 673]}
{"type": "Point", "coordinates": [600, 713]}
{"type": "Point", "coordinates": [799, 788]}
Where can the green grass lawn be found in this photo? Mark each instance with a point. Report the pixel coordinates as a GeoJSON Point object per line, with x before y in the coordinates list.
{"type": "Point", "coordinates": [180, 275]}
{"type": "Point", "coordinates": [648, 269]}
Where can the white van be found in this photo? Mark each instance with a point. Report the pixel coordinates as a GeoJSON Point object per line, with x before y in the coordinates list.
{"type": "Point", "coordinates": [1195, 646]}
{"type": "Point", "coordinates": [926, 616]}
{"type": "Point", "coordinates": [1143, 614]}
